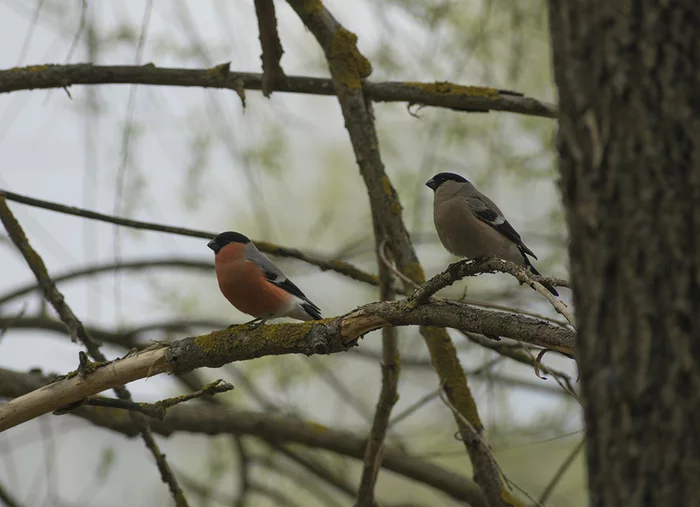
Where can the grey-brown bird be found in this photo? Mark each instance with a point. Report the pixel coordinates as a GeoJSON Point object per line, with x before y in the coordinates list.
{"type": "Point", "coordinates": [470, 225]}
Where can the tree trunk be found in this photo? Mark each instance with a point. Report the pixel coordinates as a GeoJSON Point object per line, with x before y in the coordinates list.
{"type": "Point", "coordinates": [628, 74]}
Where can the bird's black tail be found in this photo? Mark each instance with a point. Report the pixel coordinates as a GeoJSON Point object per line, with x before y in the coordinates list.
{"type": "Point", "coordinates": [535, 272]}
{"type": "Point", "coordinates": [311, 309]}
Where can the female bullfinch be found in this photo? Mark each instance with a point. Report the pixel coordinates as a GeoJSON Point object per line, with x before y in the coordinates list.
{"type": "Point", "coordinates": [254, 285]}
{"type": "Point", "coordinates": [470, 225]}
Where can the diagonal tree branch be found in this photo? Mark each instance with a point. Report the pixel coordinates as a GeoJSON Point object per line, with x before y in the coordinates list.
{"type": "Point", "coordinates": [348, 69]}
{"type": "Point", "coordinates": [437, 94]}
{"type": "Point", "coordinates": [273, 75]}
{"type": "Point", "coordinates": [77, 331]}
{"type": "Point", "coordinates": [211, 419]}
{"type": "Point", "coordinates": [338, 266]}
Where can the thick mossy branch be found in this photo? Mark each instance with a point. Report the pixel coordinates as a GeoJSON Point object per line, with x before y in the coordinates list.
{"type": "Point", "coordinates": [240, 343]}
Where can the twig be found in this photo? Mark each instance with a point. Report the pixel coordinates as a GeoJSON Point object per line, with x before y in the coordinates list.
{"type": "Point", "coordinates": [51, 293]}
{"type": "Point", "coordinates": [475, 435]}
{"type": "Point", "coordinates": [245, 460]}
{"type": "Point", "coordinates": [518, 353]}
{"type": "Point", "coordinates": [7, 499]}
{"type": "Point", "coordinates": [4, 326]}
{"type": "Point", "coordinates": [413, 408]}
{"type": "Point", "coordinates": [273, 75]}
{"type": "Point", "coordinates": [561, 471]}
{"type": "Point", "coordinates": [347, 395]}
{"type": "Point", "coordinates": [276, 496]}
{"type": "Point", "coordinates": [461, 269]}
{"type": "Point", "coordinates": [155, 410]}
{"type": "Point", "coordinates": [77, 331]}
{"type": "Point", "coordinates": [390, 265]}
{"type": "Point", "coordinates": [436, 94]}
{"type": "Point", "coordinates": [129, 338]}
{"type": "Point", "coordinates": [511, 309]}
{"type": "Point", "coordinates": [389, 393]}
{"type": "Point", "coordinates": [214, 419]}
{"type": "Point", "coordinates": [338, 266]}
{"type": "Point", "coordinates": [205, 492]}
{"type": "Point", "coordinates": [243, 471]}
{"type": "Point", "coordinates": [301, 478]}
{"type": "Point", "coordinates": [106, 267]}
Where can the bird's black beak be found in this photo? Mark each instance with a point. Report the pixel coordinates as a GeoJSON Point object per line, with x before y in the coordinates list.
{"type": "Point", "coordinates": [431, 183]}
{"type": "Point", "coordinates": [213, 245]}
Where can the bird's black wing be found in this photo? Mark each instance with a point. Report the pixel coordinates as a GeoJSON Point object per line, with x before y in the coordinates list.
{"type": "Point", "coordinates": [488, 212]}
{"type": "Point", "coordinates": [274, 275]}
{"type": "Point", "coordinates": [278, 279]}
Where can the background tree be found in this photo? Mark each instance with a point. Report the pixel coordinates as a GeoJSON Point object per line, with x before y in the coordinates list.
{"type": "Point", "coordinates": [281, 171]}
{"type": "Point", "coordinates": [626, 73]}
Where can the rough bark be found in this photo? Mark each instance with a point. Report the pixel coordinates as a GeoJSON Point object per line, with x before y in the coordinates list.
{"type": "Point", "coordinates": [629, 139]}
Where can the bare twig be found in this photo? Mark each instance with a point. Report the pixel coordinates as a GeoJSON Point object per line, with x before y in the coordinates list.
{"type": "Point", "coordinates": [439, 94]}
{"type": "Point", "coordinates": [302, 479]}
{"type": "Point", "coordinates": [390, 265]}
{"type": "Point", "coordinates": [243, 471]}
{"type": "Point", "coordinates": [413, 408]}
{"type": "Point", "coordinates": [7, 499]}
{"type": "Point", "coordinates": [155, 410]}
{"type": "Point", "coordinates": [338, 266]}
{"type": "Point", "coordinates": [51, 293]}
{"type": "Point", "coordinates": [347, 395]}
{"type": "Point", "coordinates": [561, 471]}
{"type": "Point", "coordinates": [277, 497]}
{"type": "Point", "coordinates": [389, 392]}
{"type": "Point", "coordinates": [273, 75]}
{"type": "Point", "coordinates": [128, 338]}
{"type": "Point", "coordinates": [461, 269]}
{"type": "Point", "coordinates": [12, 321]}
{"type": "Point", "coordinates": [77, 331]}
{"type": "Point", "coordinates": [482, 450]}
{"type": "Point", "coordinates": [213, 419]}
{"type": "Point", "coordinates": [246, 460]}
{"type": "Point", "coordinates": [96, 269]}
{"type": "Point", "coordinates": [520, 354]}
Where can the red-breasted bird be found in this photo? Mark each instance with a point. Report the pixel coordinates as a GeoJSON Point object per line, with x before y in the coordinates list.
{"type": "Point", "coordinates": [254, 285]}
{"type": "Point", "coordinates": [470, 225]}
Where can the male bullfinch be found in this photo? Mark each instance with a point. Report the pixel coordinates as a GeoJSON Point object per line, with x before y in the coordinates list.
{"type": "Point", "coordinates": [254, 285]}
{"type": "Point", "coordinates": [470, 225]}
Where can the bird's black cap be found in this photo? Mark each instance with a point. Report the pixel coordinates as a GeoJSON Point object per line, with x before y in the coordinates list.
{"type": "Point", "coordinates": [441, 178]}
{"type": "Point", "coordinates": [225, 238]}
